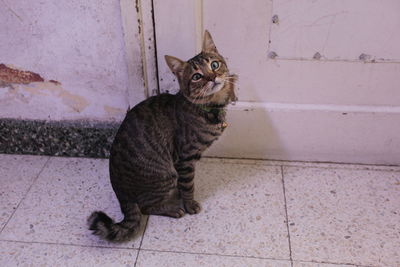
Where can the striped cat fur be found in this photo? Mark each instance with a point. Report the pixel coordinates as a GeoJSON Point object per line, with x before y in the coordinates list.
{"type": "Point", "coordinates": [153, 156]}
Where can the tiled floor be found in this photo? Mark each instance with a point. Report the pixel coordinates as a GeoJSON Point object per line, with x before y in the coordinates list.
{"type": "Point", "coordinates": [255, 213]}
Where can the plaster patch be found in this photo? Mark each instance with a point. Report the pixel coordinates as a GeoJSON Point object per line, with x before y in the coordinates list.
{"type": "Point", "coordinates": [23, 85]}
{"type": "Point", "coordinates": [13, 93]}
{"type": "Point", "coordinates": [113, 111]}
{"type": "Point", "coordinates": [76, 102]}
{"type": "Point", "coordinates": [35, 90]}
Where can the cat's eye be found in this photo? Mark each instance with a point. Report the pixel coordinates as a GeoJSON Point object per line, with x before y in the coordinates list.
{"type": "Point", "coordinates": [214, 65]}
{"type": "Point", "coordinates": [196, 76]}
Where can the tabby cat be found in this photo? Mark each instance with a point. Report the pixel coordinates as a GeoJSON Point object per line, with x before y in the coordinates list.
{"type": "Point", "coordinates": [153, 156]}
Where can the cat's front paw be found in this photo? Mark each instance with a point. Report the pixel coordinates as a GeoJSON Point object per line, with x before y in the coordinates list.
{"type": "Point", "coordinates": [192, 206]}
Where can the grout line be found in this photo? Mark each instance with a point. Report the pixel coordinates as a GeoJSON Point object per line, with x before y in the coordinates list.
{"type": "Point", "coordinates": [179, 252]}
{"type": "Point", "coordinates": [65, 244]}
{"type": "Point", "coordinates": [287, 217]}
{"type": "Point", "coordinates": [355, 168]}
{"type": "Point", "coordinates": [337, 263]}
{"type": "Point", "coordinates": [144, 249]}
{"type": "Point", "coordinates": [27, 192]}
{"type": "Point", "coordinates": [303, 161]}
{"type": "Point", "coordinates": [141, 241]}
{"type": "Point", "coordinates": [337, 166]}
{"type": "Point", "coordinates": [262, 161]}
{"type": "Point", "coordinates": [292, 163]}
{"type": "Point", "coordinates": [213, 254]}
{"type": "Point", "coordinates": [150, 250]}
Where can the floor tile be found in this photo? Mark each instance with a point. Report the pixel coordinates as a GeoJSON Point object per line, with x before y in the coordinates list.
{"type": "Point", "coordinates": [17, 173]}
{"type": "Point", "coordinates": [57, 206]}
{"type": "Point", "coordinates": [154, 259]}
{"type": "Point", "coordinates": [34, 254]}
{"type": "Point", "coordinates": [341, 215]}
{"type": "Point", "coordinates": [243, 214]}
{"type": "Point", "coordinates": [312, 264]}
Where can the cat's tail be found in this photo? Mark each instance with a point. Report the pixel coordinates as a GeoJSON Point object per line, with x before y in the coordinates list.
{"type": "Point", "coordinates": [102, 225]}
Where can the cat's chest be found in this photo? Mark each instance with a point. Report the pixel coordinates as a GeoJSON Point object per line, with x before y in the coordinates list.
{"type": "Point", "coordinates": [213, 123]}
{"type": "Point", "coordinates": [212, 131]}
{"type": "Point", "coordinates": [202, 134]}
{"type": "Point", "coordinates": [197, 131]}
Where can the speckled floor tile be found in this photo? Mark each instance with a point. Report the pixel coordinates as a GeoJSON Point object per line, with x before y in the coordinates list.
{"type": "Point", "coordinates": [34, 254]}
{"type": "Point", "coordinates": [243, 214]}
{"type": "Point", "coordinates": [341, 215]}
{"type": "Point", "coordinates": [58, 204]}
{"type": "Point", "coordinates": [17, 173]}
{"type": "Point", "coordinates": [170, 259]}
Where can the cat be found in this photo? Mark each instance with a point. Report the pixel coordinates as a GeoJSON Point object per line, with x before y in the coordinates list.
{"type": "Point", "coordinates": [153, 156]}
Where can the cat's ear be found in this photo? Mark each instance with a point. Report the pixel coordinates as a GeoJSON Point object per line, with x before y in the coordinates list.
{"type": "Point", "coordinates": [175, 64]}
{"type": "Point", "coordinates": [208, 43]}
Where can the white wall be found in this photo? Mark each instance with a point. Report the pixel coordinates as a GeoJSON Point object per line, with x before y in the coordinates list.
{"type": "Point", "coordinates": [80, 44]}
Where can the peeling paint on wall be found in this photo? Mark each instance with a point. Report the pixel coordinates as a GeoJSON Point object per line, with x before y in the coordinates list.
{"type": "Point", "coordinates": [10, 75]}
{"type": "Point", "coordinates": [21, 82]}
{"type": "Point", "coordinates": [91, 67]}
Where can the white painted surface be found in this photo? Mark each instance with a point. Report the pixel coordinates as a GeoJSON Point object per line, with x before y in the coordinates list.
{"type": "Point", "coordinates": [132, 26]}
{"type": "Point", "coordinates": [338, 108]}
{"type": "Point", "coordinates": [175, 32]}
{"type": "Point", "coordinates": [148, 46]}
{"type": "Point", "coordinates": [330, 133]}
{"type": "Point", "coordinates": [291, 81]}
{"type": "Point", "coordinates": [81, 45]}
{"type": "Point", "coordinates": [338, 30]}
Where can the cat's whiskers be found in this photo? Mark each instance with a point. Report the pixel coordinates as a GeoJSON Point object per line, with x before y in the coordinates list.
{"type": "Point", "coordinates": [199, 96]}
{"type": "Point", "coordinates": [229, 79]}
{"type": "Point", "coordinates": [230, 82]}
{"type": "Point", "coordinates": [202, 94]}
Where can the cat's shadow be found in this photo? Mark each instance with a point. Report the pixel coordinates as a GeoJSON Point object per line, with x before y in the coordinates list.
{"type": "Point", "coordinates": [251, 135]}
{"type": "Point", "coordinates": [229, 180]}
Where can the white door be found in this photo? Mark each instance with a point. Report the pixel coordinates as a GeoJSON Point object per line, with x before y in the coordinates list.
{"type": "Point", "coordinates": [318, 80]}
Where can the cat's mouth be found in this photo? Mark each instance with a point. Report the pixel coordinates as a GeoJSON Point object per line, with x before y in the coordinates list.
{"type": "Point", "coordinates": [213, 87]}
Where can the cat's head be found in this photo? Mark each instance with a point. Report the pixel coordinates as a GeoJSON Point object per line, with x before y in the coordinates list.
{"type": "Point", "coordinates": [205, 78]}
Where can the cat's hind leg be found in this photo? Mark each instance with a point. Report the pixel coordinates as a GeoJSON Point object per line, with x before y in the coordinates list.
{"type": "Point", "coordinates": [169, 209]}
{"type": "Point", "coordinates": [170, 206]}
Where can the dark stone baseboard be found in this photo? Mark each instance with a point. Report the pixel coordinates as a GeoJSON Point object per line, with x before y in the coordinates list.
{"type": "Point", "coordinates": [57, 138]}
